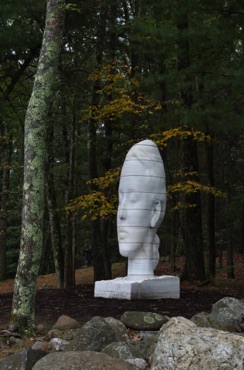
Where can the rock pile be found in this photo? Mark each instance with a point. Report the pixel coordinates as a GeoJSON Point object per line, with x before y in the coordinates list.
{"type": "Point", "coordinates": [141, 340]}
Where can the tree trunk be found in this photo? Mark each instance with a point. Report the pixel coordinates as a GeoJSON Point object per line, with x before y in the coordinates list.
{"type": "Point", "coordinates": [54, 221]}
{"type": "Point", "coordinates": [4, 181]}
{"type": "Point", "coordinates": [211, 211]}
{"type": "Point", "coordinates": [107, 160]}
{"type": "Point", "coordinates": [96, 242]}
{"type": "Point", "coordinates": [242, 223]}
{"type": "Point", "coordinates": [69, 252]}
{"type": "Point", "coordinates": [23, 306]}
{"type": "Point", "coordinates": [96, 237]}
{"type": "Point", "coordinates": [192, 231]}
{"type": "Point", "coordinates": [229, 248]}
{"type": "Point", "coordinates": [106, 249]}
{"type": "Point", "coordinates": [230, 259]}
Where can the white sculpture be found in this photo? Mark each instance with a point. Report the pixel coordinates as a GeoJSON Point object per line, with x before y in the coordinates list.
{"type": "Point", "coordinates": [142, 203]}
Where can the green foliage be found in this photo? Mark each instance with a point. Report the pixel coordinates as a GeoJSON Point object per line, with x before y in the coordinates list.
{"type": "Point", "coordinates": [72, 7]}
{"type": "Point", "coordinates": [134, 64]}
{"type": "Point", "coordinates": [102, 203]}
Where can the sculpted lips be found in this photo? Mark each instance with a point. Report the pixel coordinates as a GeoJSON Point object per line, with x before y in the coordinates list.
{"type": "Point", "coordinates": [121, 233]}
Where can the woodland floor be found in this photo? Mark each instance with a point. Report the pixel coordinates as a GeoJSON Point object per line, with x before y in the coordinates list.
{"type": "Point", "coordinates": [79, 302]}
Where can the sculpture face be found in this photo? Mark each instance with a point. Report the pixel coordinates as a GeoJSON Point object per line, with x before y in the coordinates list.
{"type": "Point", "coordinates": [133, 218]}
{"type": "Point", "coordinates": [142, 202]}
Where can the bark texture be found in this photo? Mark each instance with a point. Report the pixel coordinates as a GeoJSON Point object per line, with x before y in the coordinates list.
{"type": "Point", "coordinates": [5, 147]}
{"type": "Point", "coordinates": [23, 306]}
{"type": "Point", "coordinates": [54, 219]}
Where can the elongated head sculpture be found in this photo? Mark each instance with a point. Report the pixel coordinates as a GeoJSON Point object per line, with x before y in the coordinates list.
{"type": "Point", "coordinates": [142, 203]}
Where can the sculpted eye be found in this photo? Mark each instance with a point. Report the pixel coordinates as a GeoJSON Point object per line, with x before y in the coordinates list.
{"type": "Point", "coordinates": [134, 198]}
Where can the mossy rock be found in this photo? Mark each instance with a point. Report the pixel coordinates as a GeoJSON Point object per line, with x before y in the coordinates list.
{"type": "Point", "coordinates": [143, 320]}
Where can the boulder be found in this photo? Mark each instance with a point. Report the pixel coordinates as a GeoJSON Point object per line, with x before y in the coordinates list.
{"type": "Point", "coordinates": [119, 328]}
{"type": "Point", "coordinates": [94, 335]}
{"type": "Point", "coordinates": [201, 319]}
{"type": "Point", "coordinates": [41, 345]}
{"type": "Point", "coordinates": [183, 345]}
{"type": "Point", "coordinates": [147, 345]}
{"type": "Point", "coordinates": [65, 322]}
{"type": "Point", "coordinates": [230, 302]}
{"type": "Point", "coordinates": [69, 334]}
{"type": "Point", "coordinates": [226, 314]}
{"type": "Point", "coordinates": [56, 333]}
{"type": "Point", "coordinates": [85, 360]}
{"type": "Point", "coordinates": [143, 320]}
{"type": "Point", "coordinates": [179, 344]}
{"type": "Point", "coordinates": [42, 329]}
{"type": "Point", "coordinates": [122, 351]}
{"type": "Point", "coordinates": [24, 360]}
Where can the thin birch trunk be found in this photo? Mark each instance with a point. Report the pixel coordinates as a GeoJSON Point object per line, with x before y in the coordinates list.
{"type": "Point", "coordinates": [23, 306]}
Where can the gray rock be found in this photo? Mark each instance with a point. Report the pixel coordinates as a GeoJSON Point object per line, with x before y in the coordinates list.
{"type": "Point", "coordinates": [58, 344]}
{"type": "Point", "coordinates": [201, 319]}
{"type": "Point", "coordinates": [24, 360]}
{"type": "Point", "coordinates": [143, 320]}
{"type": "Point", "coordinates": [224, 319]}
{"type": "Point", "coordinates": [14, 340]}
{"type": "Point", "coordinates": [139, 362]}
{"type": "Point", "coordinates": [147, 345]}
{"type": "Point", "coordinates": [41, 345]}
{"type": "Point", "coordinates": [69, 334]}
{"type": "Point", "coordinates": [56, 333]}
{"type": "Point", "coordinates": [122, 351]}
{"type": "Point", "coordinates": [42, 329]}
{"type": "Point", "coordinates": [85, 360]}
{"type": "Point", "coordinates": [183, 345]}
{"type": "Point", "coordinates": [95, 335]}
{"type": "Point", "coordinates": [133, 349]}
{"type": "Point", "coordinates": [179, 344]}
{"type": "Point", "coordinates": [234, 304]}
{"type": "Point", "coordinates": [119, 328]}
{"type": "Point", "coordinates": [226, 314]}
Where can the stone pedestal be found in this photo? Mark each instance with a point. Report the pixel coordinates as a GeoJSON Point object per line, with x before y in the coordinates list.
{"type": "Point", "coordinates": [157, 287]}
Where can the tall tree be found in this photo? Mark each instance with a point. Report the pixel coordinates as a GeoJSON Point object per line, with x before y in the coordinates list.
{"type": "Point", "coordinates": [5, 144]}
{"type": "Point", "coordinates": [194, 262]}
{"type": "Point", "coordinates": [54, 219]}
{"type": "Point", "coordinates": [69, 256]}
{"type": "Point", "coordinates": [23, 306]}
{"type": "Point", "coordinates": [96, 240]}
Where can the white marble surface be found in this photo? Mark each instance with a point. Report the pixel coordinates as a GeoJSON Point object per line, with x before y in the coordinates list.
{"type": "Point", "coordinates": [156, 287]}
{"type": "Point", "coordinates": [142, 204]}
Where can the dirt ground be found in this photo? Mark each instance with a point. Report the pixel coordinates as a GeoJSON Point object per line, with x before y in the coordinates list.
{"type": "Point", "coordinates": [79, 302]}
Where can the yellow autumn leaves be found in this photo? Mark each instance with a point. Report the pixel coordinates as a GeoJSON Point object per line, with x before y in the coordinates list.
{"type": "Point", "coordinates": [118, 95]}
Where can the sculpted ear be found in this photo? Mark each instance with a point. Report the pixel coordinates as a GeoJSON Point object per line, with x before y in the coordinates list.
{"type": "Point", "coordinates": [156, 213]}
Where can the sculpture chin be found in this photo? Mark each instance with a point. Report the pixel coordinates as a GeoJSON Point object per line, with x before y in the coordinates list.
{"type": "Point", "coordinates": [128, 250]}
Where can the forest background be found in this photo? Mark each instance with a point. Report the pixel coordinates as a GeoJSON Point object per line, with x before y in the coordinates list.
{"type": "Point", "coordinates": [171, 71]}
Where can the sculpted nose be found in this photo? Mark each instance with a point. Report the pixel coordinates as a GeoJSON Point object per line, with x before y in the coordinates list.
{"type": "Point", "coordinates": [122, 214]}
{"type": "Point", "coordinates": [122, 211]}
